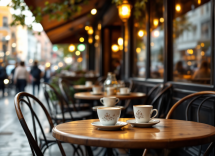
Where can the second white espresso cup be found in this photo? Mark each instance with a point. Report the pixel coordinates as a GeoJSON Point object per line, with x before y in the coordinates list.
{"type": "Point", "coordinates": [108, 115]}
{"type": "Point", "coordinates": [124, 90]}
{"type": "Point", "coordinates": [143, 113]}
{"type": "Point", "coordinates": [88, 83]}
{"type": "Point", "coordinates": [109, 101]}
{"type": "Point", "coordinates": [97, 89]}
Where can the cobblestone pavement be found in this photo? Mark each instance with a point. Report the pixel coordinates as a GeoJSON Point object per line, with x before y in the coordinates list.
{"type": "Point", "coordinates": [13, 141]}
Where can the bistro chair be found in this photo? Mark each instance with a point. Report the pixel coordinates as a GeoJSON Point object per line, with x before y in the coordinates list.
{"type": "Point", "coordinates": [38, 144]}
{"type": "Point", "coordinates": [56, 101]}
{"type": "Point", "coordinates": [159, 97]}
{"type": "Point", "coordinates": [67, 92]}
{"type": "Point", "coordinates": [199, 99]}
{"type": "Point", "coordinates": [196, 101]}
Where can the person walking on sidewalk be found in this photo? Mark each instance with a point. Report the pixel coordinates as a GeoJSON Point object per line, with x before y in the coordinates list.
{"type": "Point", "coordinates": [3, 75]}
{"type": "Point", "coordinates": [36, 75]}
{"type": "Point", "coordinates": [21, 77]}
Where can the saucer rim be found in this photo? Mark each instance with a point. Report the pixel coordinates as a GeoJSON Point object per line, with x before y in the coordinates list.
{"type": "Point", "coordinates": [96, 93]}
{"type": "Point", "coordinates": [158, 121]}
{"type": "Point", "coordinates": [125, 123]}
{"type": "Point", "coordinates": [123, 94]}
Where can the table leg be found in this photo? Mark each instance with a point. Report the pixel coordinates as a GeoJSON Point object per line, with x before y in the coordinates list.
{"type": "Point", "coordinates": [135, 152]}
{"type": "Point", "coordinates": [89, 151]}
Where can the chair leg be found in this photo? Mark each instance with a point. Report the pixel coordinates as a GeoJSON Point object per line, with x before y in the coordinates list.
{"type": "Point", "coordinates": [144, 152]}
{"type": "Point", "coordinates": [209, 149]}
{"type": "Point", "coordinates": [89, 151]}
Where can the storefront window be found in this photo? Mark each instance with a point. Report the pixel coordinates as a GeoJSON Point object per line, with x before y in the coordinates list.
{"type": "Point", "coordinates": [157, 38]}
{"type": "Point", "coordinates": [140, 47]}
{"type": "Point", "coordinates": [191, 39]}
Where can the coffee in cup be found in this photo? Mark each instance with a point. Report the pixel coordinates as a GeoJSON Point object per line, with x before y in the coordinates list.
{"type": "Point", "coordinates": [108, 115]}
{"type": "Point", "coordinates": [97, 89]}
{"type": "Point", "coordinates": [124, 90]}
{"type": "Point", "coordinates": [88, 83]}
{"type": "Point", "coordinates": [143, 113]}
{"type": "Point", "coordinates": [109, 101]}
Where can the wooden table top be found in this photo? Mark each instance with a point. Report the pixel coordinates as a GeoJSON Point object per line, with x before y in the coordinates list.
{"type": "Point", "coordinates": [82, 87]}
{"type": "Point", "coordinates": [169, 133]}
{"type": "Point", "coordinates": [89, 96]}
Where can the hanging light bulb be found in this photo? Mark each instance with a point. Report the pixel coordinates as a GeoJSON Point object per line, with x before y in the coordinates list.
{"type": "Point", "coordinates": [120, 41]}
{"type": "Point", "coordinates": [86, 28]}
{"type": "Point", "coordinates": [115, 47]}
{"type": "Point", "coordinates": [124, 10]}
{"type": "Point", "coordinates": [93, 11]}
{"type": "Point", "coordinates": [81, 39]}
{"type": "Point", "coordinates": [90, 40]}
{"type": "Point", "coordinates": [178, 7]}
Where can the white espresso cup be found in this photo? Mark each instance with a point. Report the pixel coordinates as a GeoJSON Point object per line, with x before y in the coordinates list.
{"type": "Point", "coordinates": [124, 90]}
{"type": "Point", "coordinates": [143, 113]}
{"type": "Point", "coordinates": [97, 89]}
{"type": "Point", "coordinates": [111, 90]}
{"type": "Point", "coordinates": [108, 115]}
{"type": "Point", "coordinates": [109, 101]}
{"type": "Point", "coordinates": [88, 83]}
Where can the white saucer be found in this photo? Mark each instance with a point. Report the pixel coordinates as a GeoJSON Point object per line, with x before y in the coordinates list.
{"type": "Point", "coordinates": [143, 125]}
{"type": "Point", "coordinates": [118, 126]}
{"type": "Point", "coordinates": [96, 93]}
{"type": "Point", "coordinates": [122, 93]}
{"type": "Point", "coordinates": [95, 107]}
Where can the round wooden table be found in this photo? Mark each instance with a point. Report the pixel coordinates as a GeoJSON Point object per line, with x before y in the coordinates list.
{"type": "Point", "coordinates": [168, 133]}
{"type": "Point", "coordinates": [82, 87]}
{"type": "Point", "coordinates": [89, 96]}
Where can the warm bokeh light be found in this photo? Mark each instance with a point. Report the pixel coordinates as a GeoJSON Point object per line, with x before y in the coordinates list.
{"type": "Point", "coordinates": [80, 59]}
{"type": "Point", "coordinates": [97, 37]}
{"type": "Point", "coordinates": [155, 22]}
{"type": "Point", "coordinates": [90, 40]}
{"type": "Point", "coordinates": [55, 67]}
{"type": "Point", "coordinates": [178, 7]}
{"type": "Point", "coordinates": [7, 53]}
{"type": "Point", "coordinates": [138, 50]}
{"type": "Point", "coordinates": [48, 64]}
{"type": "Point", "coordinates": [90, 31]}
{"type": "Point", "coordinates": [198, 47]}
{"type": "Point", "coordinates": [81, 39]}
{"type": "Point", "coordinates": [115, 47]}
{"type": "Point", "coordinates": [93, 11]}
{"type": "Point", "coordinates": [68, 60]}
{"type": "Point", "coordinates": [86, 28]}
{"type": "Point", "coordinates": [152, 44]}
{"type": "Point", "coordinates": [60, 64]}
{"type": "Point", "coordinates": [6, 81]}
{"type": "Point", "coordinates": [202, 44]}
{"type": "Point", "coordinates": [71, 48]}
{"type": "Point", "coordinates": [124, 10]}
{"type": "Point", "coordinates": [202, 53]}
{"type": "Point", "coordinates": [99, 26]}
{"type": "Point", "coordinates": [140, 33]}
{"type": "Point", "coordinates": [190, 51]}
{"type": "Point", "coordinates": [13, 45]}
{"type": "Point", "coordinates": [77, 53]}
{"type": "Point", "coordinates": [161, 19]}
{"type": "Point", "coordinates": [120, 41]}
{"type": "Point", "coordinates": [189, 63]}
{"type": "Point", "coordinates": [156, 33]}
{"type": "Point", "coordinates": [199, 1]}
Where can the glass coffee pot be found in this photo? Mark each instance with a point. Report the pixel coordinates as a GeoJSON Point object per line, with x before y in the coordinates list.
{"type": "Point", "coordinates": [110, 81]}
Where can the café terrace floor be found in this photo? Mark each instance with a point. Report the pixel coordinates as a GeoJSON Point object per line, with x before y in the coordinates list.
{"type": "Point", "coordinates": [13, 141]}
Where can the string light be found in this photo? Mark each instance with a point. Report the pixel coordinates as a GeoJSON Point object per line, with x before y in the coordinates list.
{"type": "Point", "coordinates": [155, 22]}
{"type": "Point", "coordinates": [115, 47]}
{"type": "Point", "coordinates": [86, 28]}
{"type": "Point", "coordinates": [77, 53]}
{"type": "Point", "coordinates": [161, 19]}
{"type": "Point", "coordinates": [120, 41]}
{"type": "Point", "coordinates": [93, 11]}
{"type": "Point", "coordinates": [71, 48]}
{"type": "Point", "coordinates": [81, 39]}
{"type": "Point", "coordinates": [178, 7]}
{"type": "Point", "coordinates": [138, 50]}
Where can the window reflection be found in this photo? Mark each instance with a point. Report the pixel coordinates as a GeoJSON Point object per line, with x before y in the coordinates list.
{"type": "Point", "coordinates": [157, 38]}
{"type": "Point", "coordinates": [140, 47]}
{"type": "Point", "coordinates": [191, 39]}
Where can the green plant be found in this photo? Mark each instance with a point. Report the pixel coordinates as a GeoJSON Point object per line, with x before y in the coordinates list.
{"type": "Point", "coordinates": [59, 10]}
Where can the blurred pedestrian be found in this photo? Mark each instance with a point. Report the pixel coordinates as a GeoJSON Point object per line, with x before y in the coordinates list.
{"type": "Point", "coordinates": [3, 75]}
{"type": "Point", "coordinates": [21, 77]}
{"type": "Point", "coordinates": [204, 71]}
{"type": "Point", "coordinates": [47, 75]}
{"type": "Point", "coordinates": [12, 75]}
{"type": "Point", "coordinates": [36, 75]}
